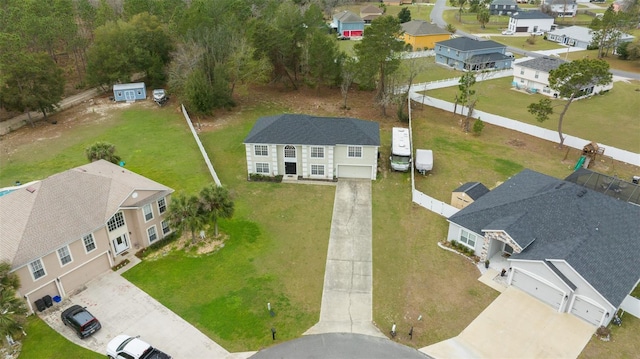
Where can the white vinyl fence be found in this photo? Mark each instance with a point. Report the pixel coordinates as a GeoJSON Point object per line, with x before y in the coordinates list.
{"type": "Point", "coordinates": [201, 147]}
{"type": "Point", "coordinates": [433, 204]}
{"type": "Point", "coordinates": [543, 133]}
{"type": "Point", "coordinates": [631, 305]}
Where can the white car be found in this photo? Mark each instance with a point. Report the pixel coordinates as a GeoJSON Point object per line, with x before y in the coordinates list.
{"type": "Point", "coordinates": [508, 32]}
{"type": "Point", "coordinates": [127, 347]}
{"type": "Point", "coordinates": [538, 33]}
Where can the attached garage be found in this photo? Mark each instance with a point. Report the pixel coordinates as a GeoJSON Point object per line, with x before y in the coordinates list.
{"type": "Point", "coordinates": [588, 311]}
{"type": "Point", "coordinates": [349, 171]}
{"type": "Point", "coordinates": [81, 275]}
{"type": "Point", "coordinates": [537, 289]}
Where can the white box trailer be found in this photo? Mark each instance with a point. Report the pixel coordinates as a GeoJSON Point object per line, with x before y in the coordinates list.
{"type": "Point", "coordinates": [400, 149]}
{"type": "Point", "coordinates": [424, 161]}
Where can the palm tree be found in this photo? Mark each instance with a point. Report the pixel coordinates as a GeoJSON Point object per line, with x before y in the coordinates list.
{"type": "Point", "coordinates": [215, 202]}
{"type": "Point", "coordinates": [12, 309]}
{"type": "Point", "coordinates": [102, 151]}
{"type": "Point", "coordinates": [184, 214]}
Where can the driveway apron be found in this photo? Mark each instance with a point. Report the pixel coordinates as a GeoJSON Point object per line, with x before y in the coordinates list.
{"type": "Point", "coordinates": [348, 289]}
{"type": "Point", "coordinates": [123, 308]}
{"type": "Point", "coordinates": [517, 325]}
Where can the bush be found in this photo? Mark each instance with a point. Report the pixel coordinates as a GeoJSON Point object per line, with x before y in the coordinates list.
{"type": "Point", "coordinates": [172, 237]}
{"type": "Point", "coordinates": [478, 125]}
{"type": "Point", "coordinates": [256, 177]}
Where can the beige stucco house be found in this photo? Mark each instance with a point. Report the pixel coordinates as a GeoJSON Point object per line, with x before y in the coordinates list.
{"type": "Point", "coordinates": [311, 147]}
{"type": "Point", "coordinates": [60, 232]}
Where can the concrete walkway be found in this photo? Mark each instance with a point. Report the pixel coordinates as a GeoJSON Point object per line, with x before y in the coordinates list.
{"type": "Point", "coordinates": [348, 288]}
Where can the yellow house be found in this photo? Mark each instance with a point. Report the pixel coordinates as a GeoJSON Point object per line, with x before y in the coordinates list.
{"type": "Point", "coordinates": [423, 35]}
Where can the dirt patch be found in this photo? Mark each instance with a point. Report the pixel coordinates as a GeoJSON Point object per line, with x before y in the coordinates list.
{"type": "Point", "coordinates": [202, 246]}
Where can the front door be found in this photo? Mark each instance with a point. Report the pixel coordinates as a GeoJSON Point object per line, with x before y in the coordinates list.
{"type": "Point", "coordinates": [290, 168]}
{"type": "Point", "coordinates": [120, 244]}
{"type": "Point", "coordinates": [130, 95]}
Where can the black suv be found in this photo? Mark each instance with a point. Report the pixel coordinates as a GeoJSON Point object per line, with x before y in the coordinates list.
{"type": "Point", "coordinates": [81, 321]}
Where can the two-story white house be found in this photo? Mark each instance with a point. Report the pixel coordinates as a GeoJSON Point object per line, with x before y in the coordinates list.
{"type": "Point", "coordinates": [530, 21]}
{"type": "Point", "coordinates": [532, 76]}
{"type": "Point", "coordinates": [312, 147]}
{"type": "Point", "coordinates": [562, 8]}
{"type": "Point", "coordinates": [59, 233]}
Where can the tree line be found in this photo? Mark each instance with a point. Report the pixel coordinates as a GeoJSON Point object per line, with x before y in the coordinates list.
{"type": "Point", "coordinates": [205, 51]}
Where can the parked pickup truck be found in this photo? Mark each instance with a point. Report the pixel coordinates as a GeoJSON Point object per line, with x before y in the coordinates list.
{"type": "Point", "coordinates": [127, 347]}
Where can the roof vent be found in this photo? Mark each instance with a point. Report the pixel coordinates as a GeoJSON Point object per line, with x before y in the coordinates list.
{"type": "Point", "coordinates": [582, 192]}
{"type": "Point", "coordinates": [31, 189]}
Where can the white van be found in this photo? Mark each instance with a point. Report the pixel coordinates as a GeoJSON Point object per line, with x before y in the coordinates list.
{"type": "Point", "coordinates": [400, 149]}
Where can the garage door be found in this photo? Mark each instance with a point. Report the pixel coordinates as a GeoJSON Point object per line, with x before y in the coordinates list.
{"type": "Point", "coordinates": [587, 311]}
{"type": "Point", "coordinates": [74, 279]}
{"type": "Point", "coordinates": [536, 288]}
{"type": "Point", "coordinates": [345, 171]}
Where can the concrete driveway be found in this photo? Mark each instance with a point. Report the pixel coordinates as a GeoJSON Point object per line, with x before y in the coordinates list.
{"type": "Point", "coordinates": [516, 325]}
{"type": "Point", "coordinates": [122, 308]}
{"type": "Point", "coordinates": [348, 289]}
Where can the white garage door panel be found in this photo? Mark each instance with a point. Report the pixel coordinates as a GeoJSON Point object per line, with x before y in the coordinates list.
{"type": "Point", "coordinates": [540, 290]}
{"type": "Point", "coordinates": [345, 171]}
{"type": "Point", "coordinates": [587, 311]}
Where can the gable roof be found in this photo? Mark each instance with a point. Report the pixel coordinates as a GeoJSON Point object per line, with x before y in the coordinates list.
{"type": "Point", "coordinates": [530, 15]}
{"type": "Point", "coordinates": [467, 44]}
{"type": "Point", "coordinates": [545, 63]}
{"type": "Point", "coordinates": [421, 27]}
{"type": "Point", "coordinates": [553, 219]}
{"type": "Point", "coordinates": [347, 16]}
{"type": "Point", "coordinates": [296, 129]}
{"type": "Point", "coordinates": [37, 219]}
{"type": "Point", "coordinates": [474, 190]}
{"type": "Point", "coordinates": [370, 9]}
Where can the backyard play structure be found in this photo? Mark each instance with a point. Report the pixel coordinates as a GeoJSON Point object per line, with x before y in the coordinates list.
{"type": "Point", "coordinates": [589, 154]}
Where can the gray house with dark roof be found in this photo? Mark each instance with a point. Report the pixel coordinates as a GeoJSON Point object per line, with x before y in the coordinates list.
{"type": "Point", "coordinates": [311, 147]}
{"type": "Point", "coordinates": [503, 7]}
{"type": "Point", "coordinates": [463, 53]}
{"type": "Point", "coordinates": [569, 246]}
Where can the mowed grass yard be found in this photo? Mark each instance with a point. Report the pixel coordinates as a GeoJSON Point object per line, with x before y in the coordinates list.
{"type": "Point", "coordinates": [611, 118]}
{"type": "Point", "coordinates": [277, 240]}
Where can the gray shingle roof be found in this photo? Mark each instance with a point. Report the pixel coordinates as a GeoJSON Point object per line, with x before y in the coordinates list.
{"type": "Point", "coordinates": [474, 190]}
{"type": "Point", "coordinates": [545, 64]}
{"type": "Point", "coordinates": [296, 129]}
{"type": "Point", "coordinates": [503, 2]}
{"type": "Point", "coordinates": [421, 27]}
{"type": "Point", "coordinates": [370, 9]}
{"type": "Point", "coordinates": [348, 16]}
{"type": "Point", "coordinates": [597, 235]}
{"type": "Point", "coordinates": [65, 206]}
{"type": "Point", "coordinates": [467, 44]}
{"type": "Point", "coordinates": [494, 56]}
{"type": "Point", "coordinates": [530, 15]}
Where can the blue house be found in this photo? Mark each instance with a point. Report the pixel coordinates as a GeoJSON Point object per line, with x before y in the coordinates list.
{"type": "Point", "coordinates": [129, 92]}
{"type": "Point", "coordinates": [348, 24]}
{"type": "Point", "coordinates": [463, 53]}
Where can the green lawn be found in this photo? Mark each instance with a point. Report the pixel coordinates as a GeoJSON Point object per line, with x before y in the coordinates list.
{"type": "Point", "coordinates": [623, 344]}
{"type": "Point", "coordinates": [277, 240]}
{"type": "Point", "coordinates": [42, 342]}
{"type": "Point", "coordinates": [589, 119]}
{"type": "Point", "coordinates": [144, 139]}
